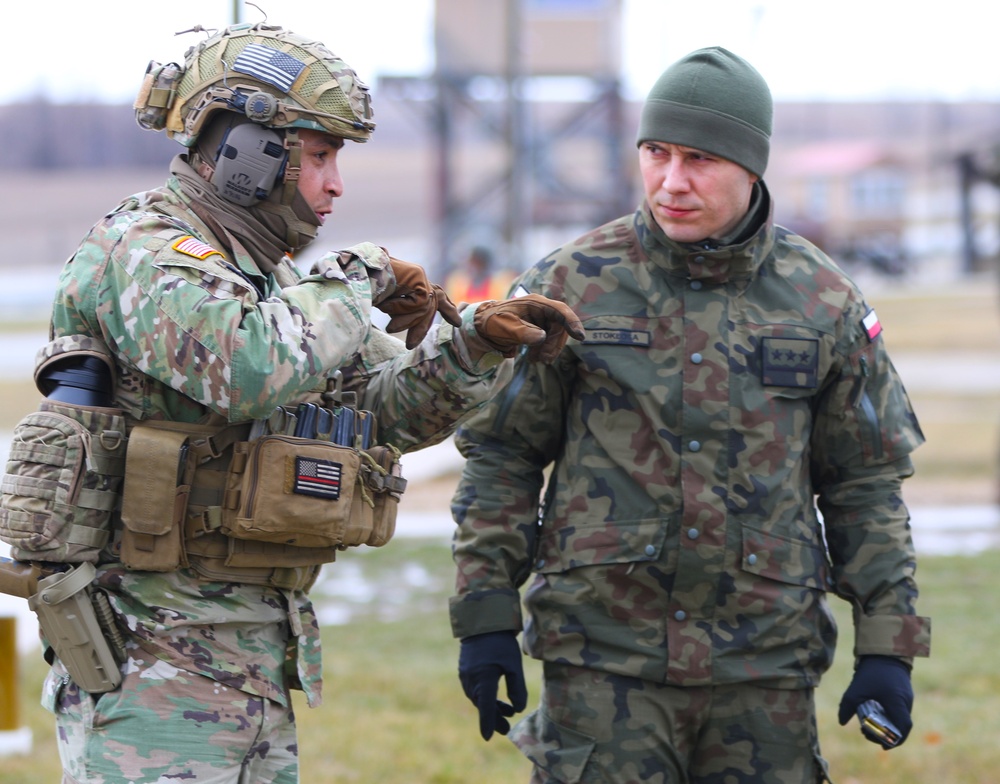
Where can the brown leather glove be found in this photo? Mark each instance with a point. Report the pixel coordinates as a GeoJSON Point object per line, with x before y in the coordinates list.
{"type": "Point", "coordinates": [532, 320]}
{"type": "Point", "coordinates": [414, 302]}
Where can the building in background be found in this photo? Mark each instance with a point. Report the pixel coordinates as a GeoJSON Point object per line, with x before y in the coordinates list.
{"type": "Point", "coordinates": [885, 184]}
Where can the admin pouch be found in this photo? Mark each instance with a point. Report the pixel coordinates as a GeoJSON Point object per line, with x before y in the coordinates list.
{"type": "Point", "coordinates": [64, 470]}
{"type": "Point", "coordinates": [304, 492]}
{"type": "Point", "coordinates": [313, 477]}
{"type": "Point", "coordinates": [246, 504]}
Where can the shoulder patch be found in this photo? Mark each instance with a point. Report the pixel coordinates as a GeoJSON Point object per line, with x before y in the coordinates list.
{"type": "Point", "coordinates": [197, 249]}
{"type": "Point", "coordinates": [871, 325]}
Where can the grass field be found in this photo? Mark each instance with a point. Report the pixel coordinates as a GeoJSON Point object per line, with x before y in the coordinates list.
{"type": "Point", "coordinates": [394, 712]}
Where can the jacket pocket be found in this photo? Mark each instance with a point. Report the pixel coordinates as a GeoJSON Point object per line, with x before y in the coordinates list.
{"type": "Point", "coordinates": [588, 543]}
{"type": "Point", "coordinates": [559, 751]}
{"type": "Point", "coordinates": [784, 560]}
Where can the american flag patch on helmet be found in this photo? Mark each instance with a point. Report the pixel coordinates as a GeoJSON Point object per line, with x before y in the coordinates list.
{"type": "Point", "coordinates": [189, 246]}
{"type": "Point", "coordinates": [320, 478]}
{"type": "Point", "coordinates": [269, 65]}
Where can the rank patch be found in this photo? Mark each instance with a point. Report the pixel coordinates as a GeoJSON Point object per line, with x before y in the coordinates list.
{"type": "Point", "coordinates": [873, 327]}
{"type": "Point", "coordinates": [197, 249]}
{"type": "Point", "coordinates": [790, 362]}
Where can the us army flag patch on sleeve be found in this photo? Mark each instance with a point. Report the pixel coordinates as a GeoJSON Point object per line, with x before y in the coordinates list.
{"type": "Point", "coordinates": [197, 249]}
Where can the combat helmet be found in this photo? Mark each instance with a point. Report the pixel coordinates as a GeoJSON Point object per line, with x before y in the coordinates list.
{"type": "Point", "coordinates": [276, 78]}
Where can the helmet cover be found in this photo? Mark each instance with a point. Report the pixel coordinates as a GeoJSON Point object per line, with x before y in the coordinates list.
{"type": "Point", "coordinates": [273, 76]}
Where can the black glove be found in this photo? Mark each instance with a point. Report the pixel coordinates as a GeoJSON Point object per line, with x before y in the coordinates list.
{"type": "Point", "coordinates": [481, 662]}
{"type": "Point", "coordinates": [413, 302]}
{"type": "Point", "coordinates": [887, 681]}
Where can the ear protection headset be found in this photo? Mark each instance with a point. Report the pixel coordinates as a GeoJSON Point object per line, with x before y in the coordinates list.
{"type": "Point", "coordinates": [249, 163]}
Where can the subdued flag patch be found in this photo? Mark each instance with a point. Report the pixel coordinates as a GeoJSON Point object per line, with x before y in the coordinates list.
{"type": "Point", "coordinates": [872, 325]}
{"type": "Point", "coordinates": [197, 249]}
{"type": "Point", "coordinates": [269, 65]}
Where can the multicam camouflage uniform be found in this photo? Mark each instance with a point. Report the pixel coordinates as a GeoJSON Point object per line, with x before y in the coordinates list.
{"type": "Point", "coordinates": [199, 332]}
{"type": "Point", "coordinates": [718, 391]}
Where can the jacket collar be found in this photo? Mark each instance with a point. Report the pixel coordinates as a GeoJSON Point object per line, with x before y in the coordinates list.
{"type": "Point", "coordinates": [709, 261]}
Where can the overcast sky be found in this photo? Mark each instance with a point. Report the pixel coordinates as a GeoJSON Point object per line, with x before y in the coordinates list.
{"type": "Point", "coordinates": [806, 49]}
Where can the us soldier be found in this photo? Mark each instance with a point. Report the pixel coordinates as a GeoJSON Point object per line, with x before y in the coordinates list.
{"type": "Point", "coordinates": [730, 373]}
{"type": "Point", "coordinates": [187, 297]}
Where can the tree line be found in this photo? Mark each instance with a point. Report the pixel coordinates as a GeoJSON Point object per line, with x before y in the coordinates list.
{"type": "Point", "coordinates": [40, 135]}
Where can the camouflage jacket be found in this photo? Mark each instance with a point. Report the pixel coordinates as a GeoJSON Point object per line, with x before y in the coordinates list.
{"type": "Point", "coordinates": [198, 332]}
{"type": "Point", "coordinates": [718, 391]}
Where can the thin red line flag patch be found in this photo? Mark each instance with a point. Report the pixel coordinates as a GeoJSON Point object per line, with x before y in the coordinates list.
{"type": "Point", "coordinates": [319, 478]}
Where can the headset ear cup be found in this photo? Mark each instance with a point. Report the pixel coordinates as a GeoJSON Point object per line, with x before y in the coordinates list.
{"type": "Point", "coordinates": [249, 160]}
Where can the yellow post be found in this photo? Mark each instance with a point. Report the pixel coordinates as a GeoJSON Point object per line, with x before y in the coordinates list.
{"type": "Point", "coordinates": [14, 739]}
{"type": "Point", "coordinates": [10, 703]}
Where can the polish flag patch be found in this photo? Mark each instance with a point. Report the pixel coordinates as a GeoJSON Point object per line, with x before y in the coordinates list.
{"type": "Point", "coordinates": [197, 249]}
{"type": "Point", "coordinates": [873, 327]}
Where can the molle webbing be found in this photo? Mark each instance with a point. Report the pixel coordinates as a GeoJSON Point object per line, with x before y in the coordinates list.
{"type": "Point", "coordinates": [172, 510]}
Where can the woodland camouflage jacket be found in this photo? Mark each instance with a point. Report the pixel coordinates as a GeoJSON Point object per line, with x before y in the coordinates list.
{"type": "Point", "coordinates": [198, 331]}
{"type": "Point", "coordinates": [717, 393]}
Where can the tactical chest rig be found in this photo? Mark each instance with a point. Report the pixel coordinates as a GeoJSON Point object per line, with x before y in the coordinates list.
{"type": "Point", "coordinates": [264, 503]}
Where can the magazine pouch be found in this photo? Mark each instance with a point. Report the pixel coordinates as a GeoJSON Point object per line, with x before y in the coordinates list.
{"type": "Point", "coordinates": [157, 487]}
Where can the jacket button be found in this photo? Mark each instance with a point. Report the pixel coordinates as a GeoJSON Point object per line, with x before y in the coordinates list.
{"type": "Point", "coordinates": [692, 533]}
{"type": "Point", "coordinates": [752, 559]}
{"type": "Point", "coordinates": [650, 550]}
{"type": "Point", "coordinates": [694, 446]}
{"type": "Point", "coordinates": [680, 615]}
{"type": "Point", "coordinates": [696, 358]}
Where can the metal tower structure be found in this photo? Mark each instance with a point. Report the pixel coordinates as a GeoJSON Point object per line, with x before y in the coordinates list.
{"type": "Point", "coordinates": [526, 115]}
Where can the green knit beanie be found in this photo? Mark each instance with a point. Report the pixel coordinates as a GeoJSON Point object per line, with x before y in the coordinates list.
{"type": "Point", "coordinates": [714, 101]}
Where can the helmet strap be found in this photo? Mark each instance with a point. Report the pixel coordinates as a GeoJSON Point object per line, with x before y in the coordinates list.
{"type": "Point", "coordinates": [293, 165]}
{"type": "Point", "coordinates": [296, 214]}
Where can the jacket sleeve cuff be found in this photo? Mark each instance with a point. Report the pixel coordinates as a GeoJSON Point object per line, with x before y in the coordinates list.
{"type": "Point", "coordinates": [474, 354]}
{"type": "Point", "coordinates": [902, 636]}
{"type": "Point", "coordinates": [485, 611]}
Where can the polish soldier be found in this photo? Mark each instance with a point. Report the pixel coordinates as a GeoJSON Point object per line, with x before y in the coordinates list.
{"type": "Point", "coordinates": [678, 573]}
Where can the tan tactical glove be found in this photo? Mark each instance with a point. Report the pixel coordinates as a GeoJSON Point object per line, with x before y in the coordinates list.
{"type": "Point", "coordinates": [414, 302]}
{"type": "Point", "coordinates": [532, 320]}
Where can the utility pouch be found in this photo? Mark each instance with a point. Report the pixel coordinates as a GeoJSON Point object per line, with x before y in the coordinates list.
{"type": "Point", "coordinates": [291, 490]}
{"type": "Point", "coordinates": [156, 95]}
{"type": "Point", "coordinates": [62, 482]}
{"type": "Point", "coordinates": [387, 484]}
{"type": "Point", "coordinates": [154, 499]}
{"type": "Point", "coordinates": [69, 622]}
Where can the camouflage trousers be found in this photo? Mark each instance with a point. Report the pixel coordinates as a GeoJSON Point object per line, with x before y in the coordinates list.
{"type": "Point", "coordinates": [167, 725]}
{"type": "Point", "coordinates": [595, 727]}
